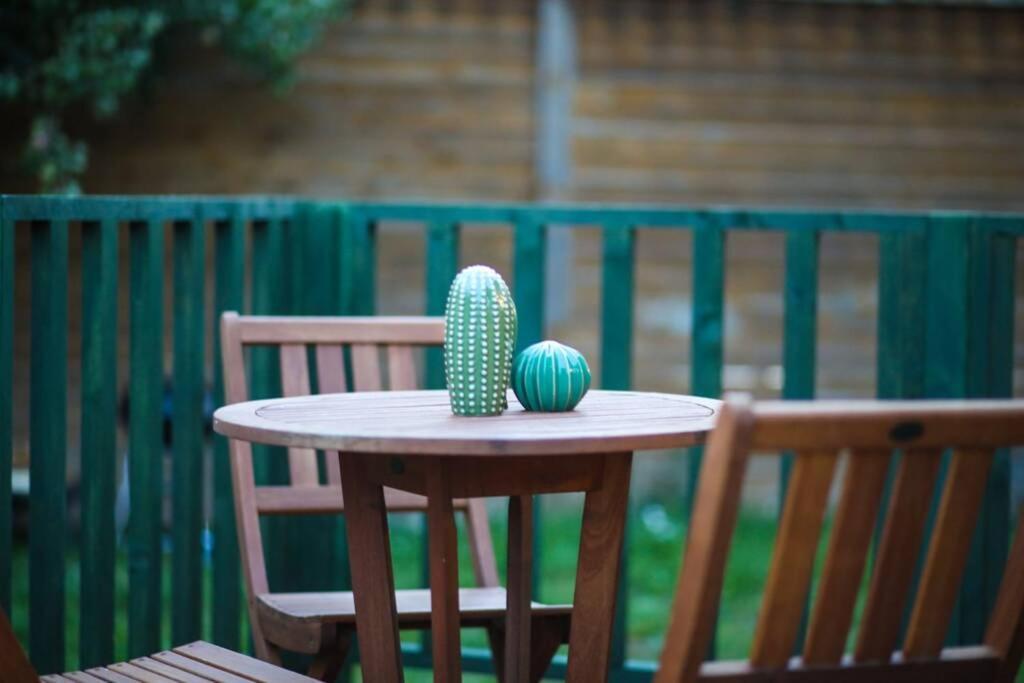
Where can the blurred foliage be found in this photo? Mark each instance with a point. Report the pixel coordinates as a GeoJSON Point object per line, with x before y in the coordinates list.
{"type": "Point", "coordinates": [58, 56]}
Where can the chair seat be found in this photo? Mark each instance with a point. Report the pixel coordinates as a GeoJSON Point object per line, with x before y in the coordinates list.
{"type": "Point", "coordinates": [476, 605]}
{"type": "Point", "coordinates": [197, 662]}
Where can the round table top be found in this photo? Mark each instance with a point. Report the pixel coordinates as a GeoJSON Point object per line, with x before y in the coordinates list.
{"type": "Point", "coordinates": [422, 423]}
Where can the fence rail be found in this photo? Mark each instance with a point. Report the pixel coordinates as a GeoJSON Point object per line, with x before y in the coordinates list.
{"type": "Point", "coordinates": [945, 329]}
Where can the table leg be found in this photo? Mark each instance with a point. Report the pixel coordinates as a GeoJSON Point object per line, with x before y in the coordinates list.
{"type": "Point", "coordinates": [373, 584]}
{"type": "Point", "coordinates": [518, 589]}
{"type": "Point", "coordinates": [444, 575]}
{"type": "Point", "coordinates": [597, 573]}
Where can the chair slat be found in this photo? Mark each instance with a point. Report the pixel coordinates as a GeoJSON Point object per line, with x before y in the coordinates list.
{"type": "Point", "coordinates": [330, 369]}
{"type": "Point", "coordinates": [138, 673]}
{"type": "Point", "coordinates": [793, 559]}
{"type": "Point", "coordinates": [236, 663]}
{"type": "Point", "coordinates": [401, 368]}
{"type": "Point", "coordinates": [699, 587]}
{"type": "Point", "coordinates": [109, 676]}
{"type": "Point", "coordinates": [302, 465]}
{"type": "Point", "coordinates": [86, 677]}
{"type": "Point", "coordinates": [366, 367]}
{"type": "Point", "coordinates": [171, 672]}
{"type": "Point", "coordinates": [1005, 632]}
{"type": "Point", "coordinates": [485, 567]}
{"type": "Point", "coordinates": [198, 668]}
{"type": "Point", "coordinates": [331, 379]}
{"type": "Point", "coordinates": [898, 551]}
{"type": "Point", "coordinates": [848, 548]}
{"type": "Point", "coordinates": [947, 553]}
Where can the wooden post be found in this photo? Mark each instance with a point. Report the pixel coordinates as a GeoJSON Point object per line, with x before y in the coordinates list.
{"type": "Point", "coordinates": [555, 83]}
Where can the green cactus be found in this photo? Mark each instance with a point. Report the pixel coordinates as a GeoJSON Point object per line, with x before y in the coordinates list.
{"type": "Point", "coordinates": [550, 377]}
{"type": "Point", "coordinates": [479, 336]}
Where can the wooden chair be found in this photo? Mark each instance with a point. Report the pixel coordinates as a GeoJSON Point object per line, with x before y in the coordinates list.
{"type": "Point", "coordinates": [322, 623]}
{"type": "Point", "coordinates": [196, 662]}
{"type": "Point", "coordinates": [868, 432]}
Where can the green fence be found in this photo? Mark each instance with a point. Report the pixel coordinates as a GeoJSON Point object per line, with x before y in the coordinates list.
{"type": "Point", "coordinates": [945, 329]}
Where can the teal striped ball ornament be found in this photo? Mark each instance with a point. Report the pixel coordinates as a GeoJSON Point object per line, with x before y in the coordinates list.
{"type": "Point", "coordinates": [479, 338]}
{"type": "Point", "coordinates": [550, 377]}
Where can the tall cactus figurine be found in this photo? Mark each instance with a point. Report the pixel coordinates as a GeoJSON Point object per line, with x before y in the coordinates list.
{"type": "Point", "coordinates": [479, 337]}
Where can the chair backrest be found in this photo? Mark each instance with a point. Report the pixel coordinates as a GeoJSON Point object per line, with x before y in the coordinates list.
{"type": "Point", "coordinates": [14, 664]}
{"type": "Point", "coordinates": [867, 433]}
{"type": "Point", "coordinates": [368, 339]}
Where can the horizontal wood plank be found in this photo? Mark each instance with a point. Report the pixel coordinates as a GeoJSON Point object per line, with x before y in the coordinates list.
{"type": "Point", "coordinates": [412, 330]}
{"type": "Point", "coordinates": [956, 665]}
{"type": "Point", "coordinates": [413, 605]}
{"type": "Point", "coordinates": [247, 667]}
{"type": "Point", "coordinates": [196, 667]}
{"type": "Point", "coordinates": [895, 424]}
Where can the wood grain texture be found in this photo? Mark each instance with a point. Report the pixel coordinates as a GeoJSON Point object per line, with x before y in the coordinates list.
{"type": "Point", "coordinates": [417, 330]}
{"type": "Point", "coordinates": [370, 340]}
{"type": "Point", "coordinates": [520, 571]}
{"type": "Point", "coordinates": [891, 424]}
{"type": "Point", "coordinates": [947, 552]}
{"type": "Point", "coordinates": [959, 665]}
{"type": "Point", "coordinates": [1005, 633]}
{"type": "Point", "coordinates": [372, 581]}
{"type": "Point", "coordinates": [897, 556]}
{"type": "Point", "coordinates": [366, 372]}
{"type": "Point", "coordinates": [302, 465]}
{"type": "Point", "coordinates": [477, 605]}
{"type": "Point", "coordinates": [421, 423]}
{"type": "Point", "coordinates": [874, 430]}
{"type": "Point", "coordinates": [789, 578]}
{"type": "Point", "coordinates": [699, 587]}
{"type": "Point", "coordinates": [444, 575]}
{"type": "Point", "coordinates": [194, 666]}
{"type": "Point", "coordinates": [401, 368]}
{"type": "Point", "coordinates": [167, 671]}
{"type": "Point", "coordinates": [848, 547]}
{"type": "Point", "coordinates": [597, 572]}
{"type": "Point", "coordinates": [481, 543]}
{"type": "Point", "coordinates": [331, 379]}
{"type": "Point", "coordinates": [233, 662]}
{"type": "Point", "coordinates": [114, 677]}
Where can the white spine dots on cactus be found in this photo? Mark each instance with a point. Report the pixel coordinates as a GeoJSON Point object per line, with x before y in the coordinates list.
{"type": "Point", "coordinates": [479, 337]}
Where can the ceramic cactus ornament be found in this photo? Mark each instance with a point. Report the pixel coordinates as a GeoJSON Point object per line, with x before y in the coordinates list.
{"type": "Point", "coordinates": [550, 377]}
{"type": "Point", "coordinates": [479, 337]}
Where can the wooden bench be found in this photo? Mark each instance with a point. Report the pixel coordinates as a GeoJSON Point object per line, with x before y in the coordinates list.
{"type": "Point", "coordinates": [197, 662]}
{"type": "Point", "coordinates": [867, 432]}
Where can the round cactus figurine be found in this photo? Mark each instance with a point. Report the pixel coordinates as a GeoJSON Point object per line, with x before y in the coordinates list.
{"type": "Point", "coordinates": [550, 377]}
{"type": "Point", "coordinates": [479, 336]}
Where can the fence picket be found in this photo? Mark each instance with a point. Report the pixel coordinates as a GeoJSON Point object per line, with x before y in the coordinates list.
{"type": "Point", "coordinates": [187, 430]}
{"type": "Point", "coordinates": [616, 372]}
{"type": "Point", "coordinates": [145, 435]}
{"type": "Point", "coordinates": [48, 434]}
{"type": "Point", "coordinates": [442, 264]}
{"type": "Point", "coordinates": [98, 439]}
{"type": "Point", "coordinates": [6, 402]}
{"type": "Point", "coordinates": [225, 602]}
{"type": "Point", "coordinates": [707, 336]}
{"type": "Point", "coordinates": [799, 342]}
{"type": "Point", "coordinates": [529, 293]}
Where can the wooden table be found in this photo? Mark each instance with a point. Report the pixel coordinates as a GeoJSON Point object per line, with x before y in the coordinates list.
{"type": "Point", "coordinates": [410, 440]}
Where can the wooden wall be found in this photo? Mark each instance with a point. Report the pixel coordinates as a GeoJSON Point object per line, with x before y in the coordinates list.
{"type": "Point", "coordinates": [424, 102]}
{"type": "Point", "coordinates": [801, 103]}
{"type": "Point", "coordinates": [756, 102]}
